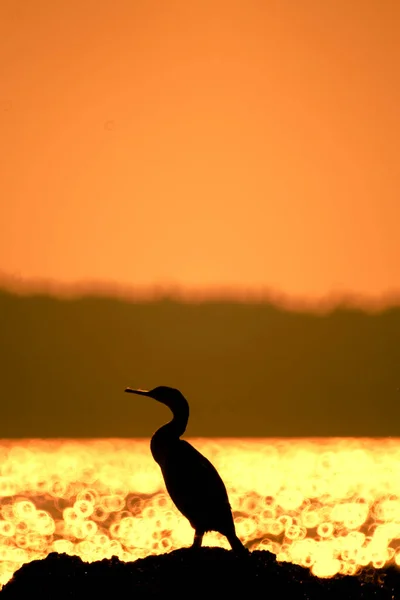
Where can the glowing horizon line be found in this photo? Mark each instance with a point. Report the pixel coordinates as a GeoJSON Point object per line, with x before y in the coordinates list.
{"type": "Point", "coordinates": [193, 294]}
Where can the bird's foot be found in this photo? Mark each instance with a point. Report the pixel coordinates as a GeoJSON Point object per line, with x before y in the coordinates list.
{"type": "Point", "coordinates": [242, 552]}
{"type": "Point", "coordinates": [195, 547]}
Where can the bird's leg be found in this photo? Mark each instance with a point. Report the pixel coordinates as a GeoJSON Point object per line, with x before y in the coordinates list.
{"type": "Point", "coordinates": [198, 539]}
{"type": "Point", "coordinates": [236, 545]}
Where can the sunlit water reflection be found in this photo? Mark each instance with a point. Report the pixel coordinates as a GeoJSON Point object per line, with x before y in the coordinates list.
{"type": "Point", "coordinates": [332, 505]}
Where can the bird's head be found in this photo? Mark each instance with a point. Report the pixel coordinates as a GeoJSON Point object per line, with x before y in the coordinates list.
{"type": "Point", "coordinates": [171, 397]}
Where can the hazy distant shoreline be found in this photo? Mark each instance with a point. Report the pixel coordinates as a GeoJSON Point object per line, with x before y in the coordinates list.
{"type": "Point", "coordinates": [248, 370]}
{"type": "Point", "coordinates": [179, 293]}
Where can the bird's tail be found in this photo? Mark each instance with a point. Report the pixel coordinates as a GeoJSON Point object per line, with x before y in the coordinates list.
{"type": "Point", "coordinates": [237, 546]}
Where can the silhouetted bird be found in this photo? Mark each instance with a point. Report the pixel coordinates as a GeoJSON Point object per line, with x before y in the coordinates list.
{"type": "Point", "coordinates": [191, 480]}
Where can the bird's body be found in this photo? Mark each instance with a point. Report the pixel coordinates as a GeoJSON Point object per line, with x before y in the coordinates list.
{"type": "Point", "coordinates": [191, 480]}
{"type": "Point", "coordinates": [205, 501]}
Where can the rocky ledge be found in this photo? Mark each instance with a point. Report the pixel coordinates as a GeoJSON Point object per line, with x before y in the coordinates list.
{"type": "Point", "coordinates": [207, 572]}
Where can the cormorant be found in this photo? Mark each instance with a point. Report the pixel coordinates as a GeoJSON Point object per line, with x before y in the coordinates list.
{"type": "Point", "coordinates": [192, 481]}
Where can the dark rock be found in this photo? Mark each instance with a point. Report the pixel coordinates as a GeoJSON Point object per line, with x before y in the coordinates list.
{"type": "Point", "coordinates": [207, 572]}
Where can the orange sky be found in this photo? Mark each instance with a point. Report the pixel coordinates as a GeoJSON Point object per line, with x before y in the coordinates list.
{"type": "Point", "coordinates": [211, 142]}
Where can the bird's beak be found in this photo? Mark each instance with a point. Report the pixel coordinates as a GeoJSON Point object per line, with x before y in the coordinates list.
{"type": "Point", "coordinates": [140, 392]}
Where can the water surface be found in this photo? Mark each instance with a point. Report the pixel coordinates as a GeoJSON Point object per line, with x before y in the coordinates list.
{"type": "Point", "coordinates": [331, 504]}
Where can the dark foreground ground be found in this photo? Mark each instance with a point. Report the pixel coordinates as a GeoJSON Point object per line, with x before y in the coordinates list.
{"type": "Point", "coordinates": [208, 572]}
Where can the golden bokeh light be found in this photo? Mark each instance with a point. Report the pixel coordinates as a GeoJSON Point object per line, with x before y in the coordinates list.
{"type": "Point", "coordinates": [331, 505]}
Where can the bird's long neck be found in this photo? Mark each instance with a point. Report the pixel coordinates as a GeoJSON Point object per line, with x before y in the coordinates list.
{"type": "Point", "coordinates": [170, 432]}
